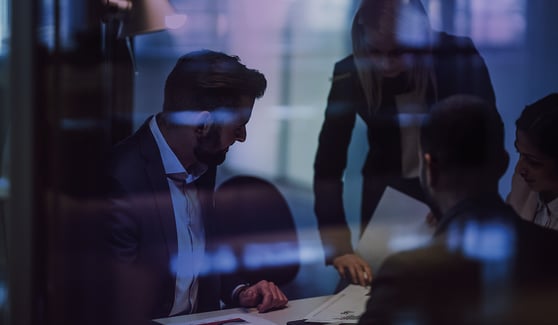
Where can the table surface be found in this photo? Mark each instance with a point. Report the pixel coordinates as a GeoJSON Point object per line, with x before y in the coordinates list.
{"type": "Point", "coordinates": [296, 309]}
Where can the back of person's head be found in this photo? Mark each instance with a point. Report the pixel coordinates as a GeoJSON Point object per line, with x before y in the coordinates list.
{"type": "Point", "coordinates": [207, 80]}
{"type": "Point", "coordinates": [539, 121]}
{"type": "Point", "coordinates": [464, 136]}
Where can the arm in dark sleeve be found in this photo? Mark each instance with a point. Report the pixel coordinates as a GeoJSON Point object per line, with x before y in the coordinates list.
{"type": "Point", "coordinates": [383, 297]}
{"type": "Point", "coordinates": [330, 163]}
{"type": "Point", "coordinates": [392, 295]}
{"type": "Point", "coordinates": [461, 69]}
{"type": "Point", "coordinates": [480, 82]}
{"type": "Point", "coordinates": [427, 286]}
{"type": "Point", "coordinates": [229, 283]}
{"type": "Point", "coordinates": [221, 229]}
{"type": "Point", "coordinates": [129, 294]}
{"type": "Point", "coordinates": [141, 284]}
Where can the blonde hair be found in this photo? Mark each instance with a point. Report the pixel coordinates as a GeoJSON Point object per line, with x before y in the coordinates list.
{"type": "Point", "coordinates": [378, 14]}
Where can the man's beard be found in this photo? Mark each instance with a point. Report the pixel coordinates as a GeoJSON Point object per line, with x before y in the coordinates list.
{"type": "Point", "coordinates": [203, 149]}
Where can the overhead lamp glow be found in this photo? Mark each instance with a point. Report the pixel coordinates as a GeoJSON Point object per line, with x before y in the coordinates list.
{"type": "Point", "coordinates": [148, 16]}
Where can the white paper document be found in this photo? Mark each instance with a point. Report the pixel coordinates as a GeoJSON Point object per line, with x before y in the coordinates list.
{"type": "Point", "coordinates": [230, 319]}
{"type": "Point", "coordinates": [345, 307]}
{"type": "Point", "coordinates": [399, 223]}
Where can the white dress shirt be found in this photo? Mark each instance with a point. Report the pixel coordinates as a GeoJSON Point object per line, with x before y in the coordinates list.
{"type": "Point", "coordinates": [189, 226]}
{"type": "Point", "coordinates": [546, 214]}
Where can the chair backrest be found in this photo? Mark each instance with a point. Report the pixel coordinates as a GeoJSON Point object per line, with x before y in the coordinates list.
{"type": "Point", "coordinates": [256, 221]}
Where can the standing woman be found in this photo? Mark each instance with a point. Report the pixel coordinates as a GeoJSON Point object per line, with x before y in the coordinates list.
{"type": "Point", "coordinates": [534, 192]}
{"type": "Point", "coordinates": [399, 67]}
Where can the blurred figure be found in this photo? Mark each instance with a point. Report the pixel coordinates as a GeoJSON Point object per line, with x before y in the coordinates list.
{"type": "Point", "coordinates": [485, 265]}
{"type": "Point", "coordinates": [160, 191]}
{"type": "Point", "coordinates": [534, 192]}
{"type": "Point", "coordinates": [259, 227]}
{"type": "Point", "coordinates": [399, 68]}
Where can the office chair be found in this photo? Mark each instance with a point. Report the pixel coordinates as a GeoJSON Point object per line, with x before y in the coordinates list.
{"type": "Point", "coordinates": [256, 222]}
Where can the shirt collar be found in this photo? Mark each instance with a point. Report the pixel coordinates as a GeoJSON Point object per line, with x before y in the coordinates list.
{"type": "Point", "coordinates": [171, 164]}
{"type": "Point", "coordinates": [551, 207]}
{"type": "Point", "coordinates": [475, 204]}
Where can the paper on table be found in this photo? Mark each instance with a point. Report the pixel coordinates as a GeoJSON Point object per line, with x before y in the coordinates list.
{"type": "Point", "coordinates": [230, 319]}
{"type": "Point", "coordinates": [399, 223]}
{"type": "Point", "coordinates": [344, 307]}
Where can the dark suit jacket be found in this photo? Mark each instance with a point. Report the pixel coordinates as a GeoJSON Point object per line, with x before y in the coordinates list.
{"type": "Point", "coordinates": [484, 266]}
{"type": "Point", "coordinates": [458, 69]}
{"type": "Point", "coordinates": [141, 234]}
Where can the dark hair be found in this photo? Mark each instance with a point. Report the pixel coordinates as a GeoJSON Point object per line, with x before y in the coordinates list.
{"type": "Point", "coordinates": [205, 80]}
{"type": "Point", "coordinates": [463, 131]}
{"type": "Point", "coordinates": [540, 122]}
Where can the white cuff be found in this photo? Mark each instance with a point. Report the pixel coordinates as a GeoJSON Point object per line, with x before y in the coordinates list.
{"type": "Point", "coordinates": [236, 291]}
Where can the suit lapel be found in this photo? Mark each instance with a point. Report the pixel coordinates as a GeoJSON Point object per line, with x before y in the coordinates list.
{"type": "Point", "coordinates": [160, 187]}
{"type": "Point", "coordinates": [158, 182]}
{"type": "Point", "coordinates": [205, 185]}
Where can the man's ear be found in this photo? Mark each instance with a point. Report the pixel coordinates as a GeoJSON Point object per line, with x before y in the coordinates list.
{"type": "Point", "coordinates": [204, 121]}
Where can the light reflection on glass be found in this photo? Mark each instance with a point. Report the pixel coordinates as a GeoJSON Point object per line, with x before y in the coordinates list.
{"type": "Point", "coordinates": [258, 256]}
{"type": "Point", "coordinates": [492, 23]}
{"type": "Point", "coordinates": [407, 241]}
{"type": "Point", "coordinates": [311, 254]}
{"type": "Point", "coordinates": [487, 241]}
{"type": "Point", "coordinates": [175, 21]}
{"type": "Point", "coordinates": [3, 295]}
{"type": "Point", "coordinates": [222, 260]}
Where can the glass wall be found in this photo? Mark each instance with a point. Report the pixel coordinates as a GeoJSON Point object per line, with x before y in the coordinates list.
{"type": "Point", "coordinates": [4, 153]}
{"type": "Point", "coordinates": [296, 43]}
{"type": "Point", "coordinates": [89, 88]}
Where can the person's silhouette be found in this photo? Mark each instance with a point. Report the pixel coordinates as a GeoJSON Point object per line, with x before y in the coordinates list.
{"type": "Point", "coordinates": [160, 184]}
{"type": "Point", "coordinates": [484, 265]}
{"type": "Point", "coordinates": [258, 224]}
{"type": "Point", "coordinates": [398, 68]}
{"type": "Point", "coordinates": [534, 192]}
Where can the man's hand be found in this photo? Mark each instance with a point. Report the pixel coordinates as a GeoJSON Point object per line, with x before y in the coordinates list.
{"type": "Point", "coordinates": [431, 220]}
{"type": "Point", "coordinates": [355, 266]}
{"type": "Point", "coordinates": [264, 295]}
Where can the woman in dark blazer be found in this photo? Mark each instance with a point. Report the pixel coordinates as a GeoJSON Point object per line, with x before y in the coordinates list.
{"type": "Point", "coordinates": [399, 68]}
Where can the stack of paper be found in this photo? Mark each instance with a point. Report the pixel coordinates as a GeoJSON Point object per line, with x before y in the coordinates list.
{"type": "Point", "coordinates": [230, 319]}
{"type": "Point", "coordinates": [399, 223]}
{"type": "Point", "coordinates": [345, 307]}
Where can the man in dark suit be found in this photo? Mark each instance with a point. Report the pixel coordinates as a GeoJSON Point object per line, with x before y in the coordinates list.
{"type": "Point", "coordinates": [484, 265]}
{"type": "Point", "coordinates": [160, 232]}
